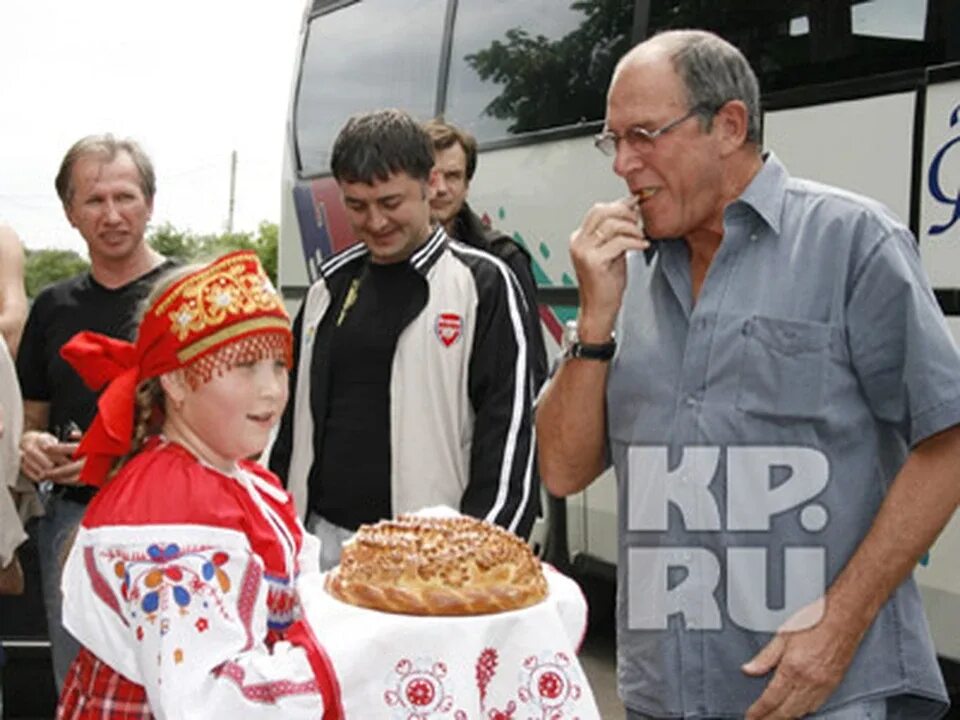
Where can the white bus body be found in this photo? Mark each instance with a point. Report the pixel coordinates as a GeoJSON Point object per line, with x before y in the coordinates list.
{"type": "Point", "coordinates": [892, 135]}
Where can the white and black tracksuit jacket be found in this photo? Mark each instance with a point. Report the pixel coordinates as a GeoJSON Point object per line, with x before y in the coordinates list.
{"type": "Point", "coordinates": [461, 425]}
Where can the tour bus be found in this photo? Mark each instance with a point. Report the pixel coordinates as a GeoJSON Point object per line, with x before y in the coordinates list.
{"type": "Point", "coordinates": [864, 95]}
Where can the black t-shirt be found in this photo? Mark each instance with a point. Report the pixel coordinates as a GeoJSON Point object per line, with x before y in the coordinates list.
{"type": "Point", "coordinates": [58, 313]}
{"type": "Point", "coordinates": [354, 483]}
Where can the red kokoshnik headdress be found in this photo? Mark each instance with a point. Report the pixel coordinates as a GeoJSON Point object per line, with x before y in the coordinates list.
{"type": "Point", "coordinates": [207, 321]}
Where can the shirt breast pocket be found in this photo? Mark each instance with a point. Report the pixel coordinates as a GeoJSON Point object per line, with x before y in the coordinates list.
{"type": "Point", "coordinates": [784, 366]}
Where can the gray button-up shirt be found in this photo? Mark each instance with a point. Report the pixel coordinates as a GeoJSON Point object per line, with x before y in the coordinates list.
{"type": "Point", "coordinates": [755, 434]}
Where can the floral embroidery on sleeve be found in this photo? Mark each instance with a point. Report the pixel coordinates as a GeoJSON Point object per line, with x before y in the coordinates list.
{"type": "Point", "coordinates": [164, 577]}
{"type": "Point", "coordinates": [160, 583]}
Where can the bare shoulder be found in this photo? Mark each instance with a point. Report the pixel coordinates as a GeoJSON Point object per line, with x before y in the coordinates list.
{"type": "Point", "coordinates": [10, 245]}
{"type": "Point", "coordinates": [13, 297]}
{"type": "Point", "coordinates": [7, 234]}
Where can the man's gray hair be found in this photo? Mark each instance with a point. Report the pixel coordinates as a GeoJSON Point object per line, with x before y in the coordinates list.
{"type": "Point", "coordinates": [107, 147]}
{"type": "Point", "coordinates": [713, 72]}
{"type": "Point", "coordinates": [374, 146]}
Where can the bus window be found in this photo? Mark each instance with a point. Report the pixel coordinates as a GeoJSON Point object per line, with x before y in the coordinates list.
{"type": "Point", "coordinates": [807, 42]}
{"type": "Point", "coordinates": [904, 19]}
{"type": "Point", "coordinates": [522, 66]}
{"type": "Point", "coordinates": [365, 56]}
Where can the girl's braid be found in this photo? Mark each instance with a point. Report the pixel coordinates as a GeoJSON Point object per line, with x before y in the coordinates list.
{"type": "Point", "coordinates": [148, 414]}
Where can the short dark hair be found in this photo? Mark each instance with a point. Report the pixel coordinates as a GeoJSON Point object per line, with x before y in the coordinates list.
{"type": "Point", "coordinates": [107, 147]}
{"type": "Point", "coordinates": [444, 135]}
{"type": "Point", "coordinates": [375, 145]}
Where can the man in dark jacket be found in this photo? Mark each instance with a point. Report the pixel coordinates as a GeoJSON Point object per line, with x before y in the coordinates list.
{"type": "Point", "coordinates": [455, 161]}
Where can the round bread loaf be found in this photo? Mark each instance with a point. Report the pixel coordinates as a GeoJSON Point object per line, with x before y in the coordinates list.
{"type": "Point", "coordinates": [437, 566]}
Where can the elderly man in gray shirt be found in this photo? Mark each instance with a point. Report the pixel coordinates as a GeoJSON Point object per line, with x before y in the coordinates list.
{"type": "Point", "coordinates": [780, 401]}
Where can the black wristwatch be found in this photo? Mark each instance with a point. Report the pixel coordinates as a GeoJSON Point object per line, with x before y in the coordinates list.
{"type": "Point", "coordinates": [573, 348]}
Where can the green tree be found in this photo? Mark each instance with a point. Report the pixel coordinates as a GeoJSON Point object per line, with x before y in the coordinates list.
{"type": "Point", "coordinates": [46, 266]}
{"type": "Point", "coordinates": [267, 242]}
{"type": "Point", "coordinates": [548, 83]}
{"type": "Point", "coordinates": [173, 243]}
{"type": "Point", "coordinates": [185, 246]}
{"type": "Point", "coordinates": [556, 82]}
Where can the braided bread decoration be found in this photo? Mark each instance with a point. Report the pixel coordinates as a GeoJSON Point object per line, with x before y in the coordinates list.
{"type": "Point", "coordinates": [437, 566]}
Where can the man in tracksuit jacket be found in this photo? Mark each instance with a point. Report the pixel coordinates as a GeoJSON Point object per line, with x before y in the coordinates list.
{"type": "Point", "coordinates": [412, 384]}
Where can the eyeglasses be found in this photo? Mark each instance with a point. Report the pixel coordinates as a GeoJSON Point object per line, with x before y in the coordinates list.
{"type": "Point", "coordinates": [639, 138]}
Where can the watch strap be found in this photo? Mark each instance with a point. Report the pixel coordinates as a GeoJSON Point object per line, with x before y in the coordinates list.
{"type": "Point", "coordinates": [593, 351]}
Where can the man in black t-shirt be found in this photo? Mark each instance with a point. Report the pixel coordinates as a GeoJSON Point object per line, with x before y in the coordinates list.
{"type": "Point", "coordinates": [106, 187]}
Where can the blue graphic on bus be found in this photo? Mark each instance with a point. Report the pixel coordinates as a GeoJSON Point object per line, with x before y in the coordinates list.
{"type": "Point", "coordinates": [933, 180]}
{"type": "Point", "coordinates": [314, 236]}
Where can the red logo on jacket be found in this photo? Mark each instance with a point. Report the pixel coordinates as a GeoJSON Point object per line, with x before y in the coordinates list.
{"type": "Point", "coordinates": [448, 328]}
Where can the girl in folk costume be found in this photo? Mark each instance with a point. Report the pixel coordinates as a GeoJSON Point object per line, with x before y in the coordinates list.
{"type": "Point", "coordinates": [182, 582]}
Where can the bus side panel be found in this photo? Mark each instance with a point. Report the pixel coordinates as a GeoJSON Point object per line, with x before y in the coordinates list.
{"type": "Point", "coordinates": [292, 269]}
{"type": "Point", "coordinates": [539, 194]}
{"type": "Point", "coordinates": [859, 145]}
{"type": "Point", "coordinates": [314, 228]}
{"type": "Point", "coordinates": [940, 186]}
{"type": "Point", "coordinates": [939, 229]}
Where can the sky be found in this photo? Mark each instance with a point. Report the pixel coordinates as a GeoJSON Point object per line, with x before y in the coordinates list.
{"type": "Point", "coordinates": [190, 80]}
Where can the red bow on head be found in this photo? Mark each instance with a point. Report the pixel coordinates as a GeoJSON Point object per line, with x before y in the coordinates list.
{"type": "Point", "coordinates": [218, 305]}
{"type": "Point", "coordinates": [105, 361]}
